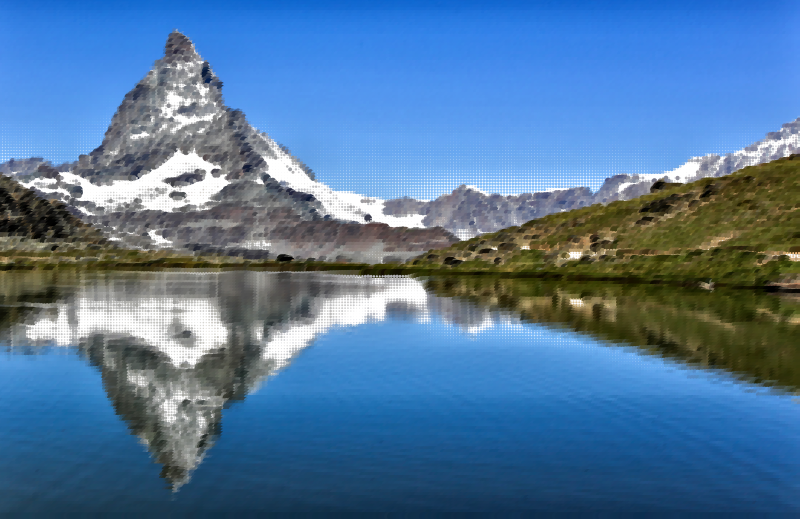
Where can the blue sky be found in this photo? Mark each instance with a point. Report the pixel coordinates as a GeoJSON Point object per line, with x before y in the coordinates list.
{"type": "Point", "coordinates": [417, 98]}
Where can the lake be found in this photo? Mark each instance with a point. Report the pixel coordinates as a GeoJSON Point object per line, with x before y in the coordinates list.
{"type": "Point", "coordinates": [202, 393]}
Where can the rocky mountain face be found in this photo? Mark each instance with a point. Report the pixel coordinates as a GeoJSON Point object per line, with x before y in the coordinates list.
{"type": "Point", "coordinates": [178, 167]}
{"type": "Point", "coordinates": [29, 222]}
{"type": "Point", "coordinates": [468, 212]}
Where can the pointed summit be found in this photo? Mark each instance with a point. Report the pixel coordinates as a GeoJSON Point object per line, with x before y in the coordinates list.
{"type": "Point", "coordinates": [179, 48]}
{"type": "Point", "coordinates": [174, 153]}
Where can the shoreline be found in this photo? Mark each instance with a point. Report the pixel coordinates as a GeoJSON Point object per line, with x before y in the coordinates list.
{"type": "Point", "coordinates": [28, 263]}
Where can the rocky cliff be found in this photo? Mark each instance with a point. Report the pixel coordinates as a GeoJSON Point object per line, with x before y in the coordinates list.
{"type": "Point", "coordinates": [177, 166]}
{"type": "Point", "coordinates": [30, 222]}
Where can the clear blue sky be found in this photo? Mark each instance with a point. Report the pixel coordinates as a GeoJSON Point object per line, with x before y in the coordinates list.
{"type": "Point", "coordinates": [391, 101]}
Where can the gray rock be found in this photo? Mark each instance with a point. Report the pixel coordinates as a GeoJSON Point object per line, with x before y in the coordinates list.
{"type": "Point", "coordinates": [178, 107]}
{"type": "Point", "coordinates": [467, 212]}
{"type": "Point", "coordinates": [178, 167]}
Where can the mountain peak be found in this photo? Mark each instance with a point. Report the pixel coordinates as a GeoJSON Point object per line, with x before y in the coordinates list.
{"type": "Point", "coordinates": [179, 48]}
{"type": "Point", "coordinates": [174, 153]}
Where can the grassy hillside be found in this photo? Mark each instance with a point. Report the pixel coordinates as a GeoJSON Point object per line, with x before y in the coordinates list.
{"type": "Point", "coordinates": [739, 230]}
{"type": "Point", "coordinates": [742, 229]}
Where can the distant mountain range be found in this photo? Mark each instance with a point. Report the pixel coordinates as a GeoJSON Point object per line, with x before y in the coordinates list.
{"type": "Point", "coordinates": [179, 169]}
{"type": "Point", "coordinates": [740, 229]}
{"type": "Point", "coordinates": [468, 212]}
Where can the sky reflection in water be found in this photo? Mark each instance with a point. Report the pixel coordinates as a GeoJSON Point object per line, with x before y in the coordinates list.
{"type": "Point", "coordinates": [321, 393]}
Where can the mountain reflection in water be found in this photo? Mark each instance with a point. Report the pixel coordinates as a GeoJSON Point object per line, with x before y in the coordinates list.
{"type": "Point", "coordinates": [174, 348]}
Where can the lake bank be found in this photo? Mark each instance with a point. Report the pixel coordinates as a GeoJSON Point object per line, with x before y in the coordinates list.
{"type": "Point", "coordinates": [725, 269]}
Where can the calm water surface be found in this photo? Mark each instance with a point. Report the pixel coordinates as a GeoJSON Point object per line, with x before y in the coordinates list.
{"type": "Point", "coordinates": [180, 393]}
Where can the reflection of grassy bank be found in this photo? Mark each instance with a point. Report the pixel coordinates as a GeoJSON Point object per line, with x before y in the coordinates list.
{"type": "Point", "coordinates": [753, 334]}
{"type": "Point", "coordinates": [25, 294]}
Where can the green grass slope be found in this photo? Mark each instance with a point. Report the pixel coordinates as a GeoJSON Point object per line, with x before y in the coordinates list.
{"type": "Point", "coordinates": [741, 229]}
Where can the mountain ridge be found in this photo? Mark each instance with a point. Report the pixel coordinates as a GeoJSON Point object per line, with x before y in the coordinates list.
{"type": "Point", "coordinates": [470, 212]}
{"type": "Point", "coordinates": [731, 227]}
{"type": "Point", "coordinates": [177, 166]}
{"type": "Point", "coordinates": [463, 210]}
